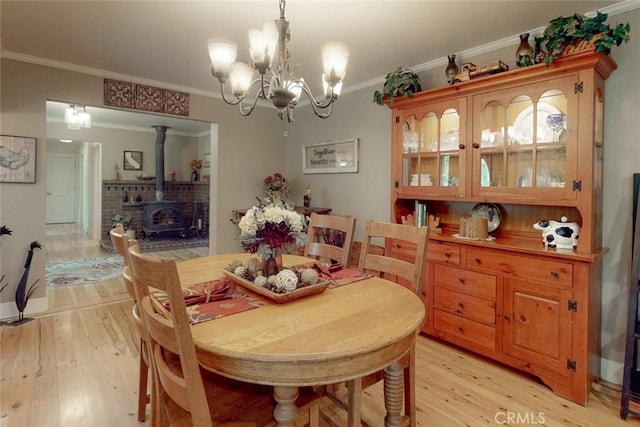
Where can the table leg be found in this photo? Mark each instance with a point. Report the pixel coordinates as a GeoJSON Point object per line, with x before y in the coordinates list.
{"type": "Point", "coordinates": [393, 387]}
{"type": "Point", "coordinates": [285, 411]}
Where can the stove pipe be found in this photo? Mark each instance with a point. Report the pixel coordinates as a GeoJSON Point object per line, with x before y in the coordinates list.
{"type": "Point", "coordinates": [161, 133]}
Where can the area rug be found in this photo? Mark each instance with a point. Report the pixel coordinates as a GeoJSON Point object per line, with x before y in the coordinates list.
{"type": "Point", "coordinates": [84, 271]}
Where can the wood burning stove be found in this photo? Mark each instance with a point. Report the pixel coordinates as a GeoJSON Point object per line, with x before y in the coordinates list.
{"type": "Point", "coordinates": [163, 217]}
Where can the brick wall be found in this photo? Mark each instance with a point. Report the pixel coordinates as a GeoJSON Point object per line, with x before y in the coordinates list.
{"type": "Point", "coordinates": [181, 191]}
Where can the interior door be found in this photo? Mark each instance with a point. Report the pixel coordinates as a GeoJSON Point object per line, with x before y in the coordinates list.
{"type": "Point", "coordinates": [61, 188]}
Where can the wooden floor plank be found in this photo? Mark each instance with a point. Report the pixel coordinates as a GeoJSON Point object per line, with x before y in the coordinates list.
{"type": "Point", "coordinates": [46, 394]}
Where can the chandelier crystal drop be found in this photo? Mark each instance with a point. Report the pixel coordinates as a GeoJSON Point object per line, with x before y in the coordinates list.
{"type": "Point", "coordinates": [276, 81]}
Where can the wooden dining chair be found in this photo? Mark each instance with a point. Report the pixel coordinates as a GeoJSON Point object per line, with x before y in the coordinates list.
{"type": "Point", "coordinates": [356, 250]}
{"type": "Point", "coordinates": [410, 273]}
{"type": "Point", "coordinates": [187, 394]}
{"type": "Point", "coordinates": [121, 243]}
{"type": "Point", "coordinates": [322, 229]}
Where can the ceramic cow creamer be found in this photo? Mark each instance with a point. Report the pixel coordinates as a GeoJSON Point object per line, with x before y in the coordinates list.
{"type": "Point", "coordinates": [559, 234]}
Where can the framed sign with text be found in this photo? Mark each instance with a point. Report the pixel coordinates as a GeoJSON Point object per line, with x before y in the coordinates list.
{"type": "Point", "coordinates": [331, 157]}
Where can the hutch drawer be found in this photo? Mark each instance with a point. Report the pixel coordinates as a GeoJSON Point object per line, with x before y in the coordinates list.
{"type": "Point", "coordinates": [481, 310]}
{"type": "Point", "coordinates": [465, 281]}
{"type": "Point", "coordinates": [443, 253]}
{"type": "Point", "coordinates": [476, 332]}
{"type": "Point", "coordinates": [524, 267]}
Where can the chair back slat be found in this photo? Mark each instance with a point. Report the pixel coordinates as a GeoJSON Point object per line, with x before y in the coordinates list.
{"type": "Point", "coordinates": [356, 250]}
{"type": "Point", "coordinates": [327, 225]}
{"type": "Point", "coordinates": [388, 232]}
{"type": "Point", "coordinates": [171, 334]}
{"type": "Point", "coordinates": [120, 242]}
{"type": "Point", "coordinates": [116, 234]}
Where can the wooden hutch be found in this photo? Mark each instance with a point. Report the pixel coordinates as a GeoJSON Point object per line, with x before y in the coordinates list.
{"type": "Point", "coordinates": [530, 142]}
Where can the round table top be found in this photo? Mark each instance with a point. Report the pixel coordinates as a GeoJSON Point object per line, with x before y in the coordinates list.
{"type": "Point", "coordinates": [343, 333]}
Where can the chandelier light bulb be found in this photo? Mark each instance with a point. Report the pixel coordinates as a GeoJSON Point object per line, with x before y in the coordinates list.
{"type": "Point", "coordinates": [240, 77]}
{"type": "Point", "coordinates": [331, 91]}
{"type": "Point", "coordinates": [335, 56]}
{"type": "Point", "coordinates": [295, 87]}
{"type": "Point", "coordinates": [263, 45]}
{"type": "Point", "coordinates": [76, 117]}
{"type": "Point", "coordinates": [69, 113]}
{"type": "Point", "coordinates": [222, 54]}
{"type": "Point", "coordinates": [84, 118]}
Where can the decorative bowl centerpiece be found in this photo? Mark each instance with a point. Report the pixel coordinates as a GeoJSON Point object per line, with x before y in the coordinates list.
{"type": "Point", "coordinates": [287, 285]}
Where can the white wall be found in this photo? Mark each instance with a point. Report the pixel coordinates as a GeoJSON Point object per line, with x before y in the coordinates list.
{"type": "Point", "coordinates": [366, 194]}
{"type": "Point", "coordinates": [179, 149]}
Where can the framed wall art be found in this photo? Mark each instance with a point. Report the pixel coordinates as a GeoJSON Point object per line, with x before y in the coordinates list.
{"type": "Point", "coordinates": [17, 159]}
{"type": "Point", "coordinates": [331, 157]}
{"type": "Point", "coordinates": [132, 161]}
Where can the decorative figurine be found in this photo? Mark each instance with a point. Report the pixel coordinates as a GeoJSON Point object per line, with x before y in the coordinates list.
{"type": "Point", "coordinates": [22, 293]}
{"type": "Point", "coordinates": [452, 69]}
{"type": "Point", "coordinates": [559, 234]}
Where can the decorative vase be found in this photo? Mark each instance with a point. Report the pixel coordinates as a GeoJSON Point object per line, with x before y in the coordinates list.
{"type": "Point", "coordinates": [524, 53]}
{"type": "Point", "coordinates": [272, 266]}
{"type": "Point", "coordinates": [452, 69]}
{"type": "Point", "coordinates": [194, 175]}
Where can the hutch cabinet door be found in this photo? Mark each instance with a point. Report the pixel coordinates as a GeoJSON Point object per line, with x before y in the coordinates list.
{"type": "Point", "coordinates": [525, 141]}
{"type": "Point", "coordinates": [537, 324]}
{"type": "Point", "coordinates": [428, 149]}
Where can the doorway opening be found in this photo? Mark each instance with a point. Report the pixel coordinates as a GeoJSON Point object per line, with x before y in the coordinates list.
{"type": "Point", "coordinates": [90, 156]}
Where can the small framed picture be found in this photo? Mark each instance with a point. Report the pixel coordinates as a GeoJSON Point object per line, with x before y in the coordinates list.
{"type": "Point", "coordinates": [132, 161]}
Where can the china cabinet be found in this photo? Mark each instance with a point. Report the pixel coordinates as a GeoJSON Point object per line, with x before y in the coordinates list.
{"type": "Point", "coordinates": [529, 143]}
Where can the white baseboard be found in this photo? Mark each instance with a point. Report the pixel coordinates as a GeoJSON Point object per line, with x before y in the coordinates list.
{"type": "Point", "coordinates": [8, 310]}
{"type": "Point", "coordinates": [611, 371]}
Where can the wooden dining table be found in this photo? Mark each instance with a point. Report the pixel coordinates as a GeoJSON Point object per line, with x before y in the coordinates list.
{"type": "Point", "coordinates": [343, 333]}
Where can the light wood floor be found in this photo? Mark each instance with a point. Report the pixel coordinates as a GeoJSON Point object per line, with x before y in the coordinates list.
{"type": "Point", "coordinates": [78, 366]}
{"type": "Point", "coordinates": [67, 242]}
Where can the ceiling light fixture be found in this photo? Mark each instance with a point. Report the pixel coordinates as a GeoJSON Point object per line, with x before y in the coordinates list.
{"type": "Point", "coordinates": [270, 57]}
{"type": "Point", "coordinates": [76, 117]}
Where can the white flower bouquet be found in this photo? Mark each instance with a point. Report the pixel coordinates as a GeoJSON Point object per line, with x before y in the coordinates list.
{"type": "Point", "coordinates": [264, 229]}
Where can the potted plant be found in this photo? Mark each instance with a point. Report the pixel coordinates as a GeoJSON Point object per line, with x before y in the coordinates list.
{"type": "Point", "coordinates": [567, 31]}
{"type": "Point", "coordinates": [125, 220]}
{"type": "Point", "coordinates": [400, 82]}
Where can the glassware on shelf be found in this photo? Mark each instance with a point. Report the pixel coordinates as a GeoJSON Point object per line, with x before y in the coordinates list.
{"type": "Point", "coordinates": [556, 123]}
{"type": "Point", "coordinates": [545, 177]}
{"type": "Point", "coordinates": [450, 140]}
{"type": "Point", "coordinates": [410, 142]}
{"type": "Point", "coordinates": [423, 179]}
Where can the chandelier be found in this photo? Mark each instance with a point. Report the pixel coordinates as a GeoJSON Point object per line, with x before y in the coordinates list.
{"type": "Point", "coordinates": [276, 80]}
{"type": "Point", "coordinates": [76, 117]}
